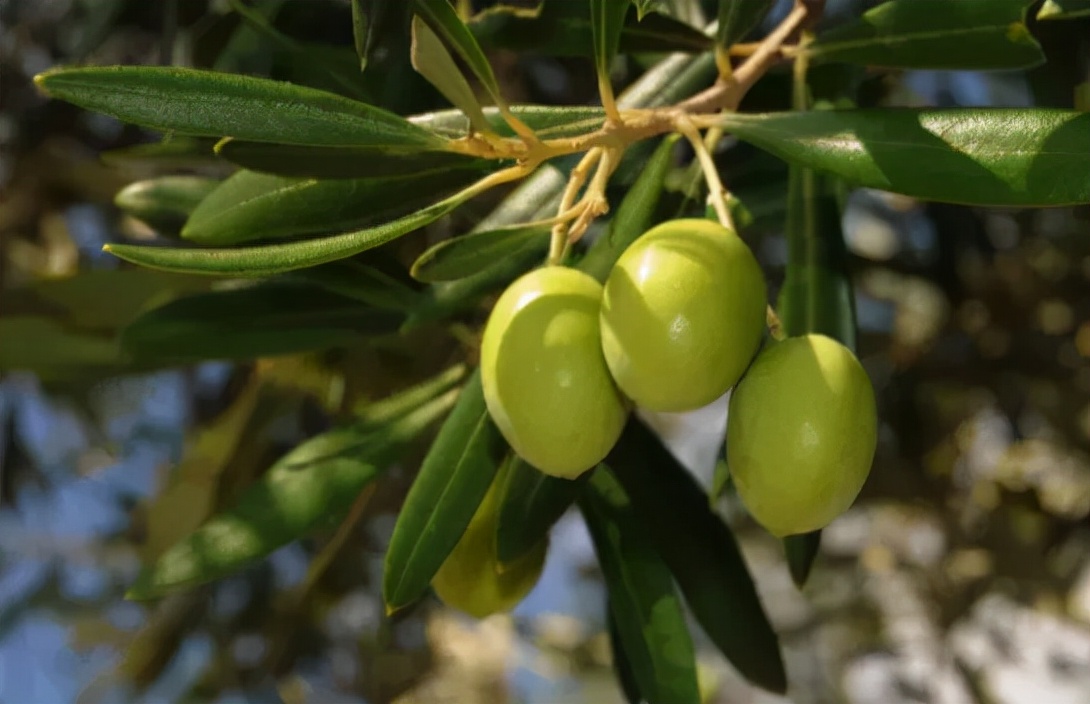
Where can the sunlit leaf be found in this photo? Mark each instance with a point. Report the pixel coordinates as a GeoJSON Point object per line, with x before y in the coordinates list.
{"type": "Point", "coordinates": [311, 486]}
{"type": "Point", "coordinates": [210, 104]}
{"type": "Point", "coordinates": [978, 156]}
{"type": "Point", "coordinates": [1064, 9]}
{"type": "Point", "coordinates": [432, 61]}
{"type": "Point", "coordinates": [441, 17]}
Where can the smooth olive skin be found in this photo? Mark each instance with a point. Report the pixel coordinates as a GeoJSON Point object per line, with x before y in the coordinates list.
{"type": "Point", "coordinates": [471, 579]}
{"type": "Point", "coordinates": [682, 315]}
{"type": "Point", "coordinates": [801, 434]}
{"type": "Point", "coordinates": [545, 381]}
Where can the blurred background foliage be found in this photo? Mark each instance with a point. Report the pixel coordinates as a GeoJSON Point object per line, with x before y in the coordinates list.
{"type": "Point", "coordinates": [961, 575]}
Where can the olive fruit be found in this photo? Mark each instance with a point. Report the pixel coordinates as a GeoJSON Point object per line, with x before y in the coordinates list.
{"type": "Point", "coordinates": [545, 381]}
{"type": "Point", "coordinates": [683, 313]}
{"type": "Point", "coordinates": [472, 579]}
{"type": "Point", "coordinates": [801, 434]}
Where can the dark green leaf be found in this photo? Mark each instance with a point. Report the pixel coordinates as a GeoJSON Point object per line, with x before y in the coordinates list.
{"type": "Point", "coordinates": [254, 206]}
{"type": "Point", "coordinates": [344, 162]}
{"type": "Point", "coordinates": [701, 553]}
{"type": "Point", "coordinates": [369, 18]}
{"type": "Point", "coordinates": [210, 104]}
{"type": "Point", "coordinates": [801, 551]}
{"type": "Point", "coordinates": [441, 17]}
{"type": "Point", "coordinates": [432, 61]}
{"type": "Point", "coordinates": [634, 214]}
{"type": "Point", "coordinates": [452, 482]}
{"type": "Point", "coordinates": [647, 7]}
{"type": "Point", "coordinates": [563, 28]}
{"type": "Point", "coordinates": [255, 321]}
{"type": "Point", "coordinates": [530, 503]}
{"type": "Point", "coordinates": [737, 18]}
{"type": "Point", "coordinates": [470, 254]}
{"type": "Point", "coordinates": [1064, 9]}
{"type": "Point", "coordinates": [934, 34]}
{"type": "Point", "coordinates": [170, 153]}
{"type": "Point", "coordinates": [312, 485]}
{"type": "Point", "coordinates": [606, 22]}
{"type": "Point", "coordinates": [622, 666]}
{"type": "Point", "coordinates": [360, 282]}
{"type": "Point", "coordinates": [165, 203]}
{"type": "Point", "coordinates": [644, 606]}
{"type": "Point", "coordinates": [978, 156]}
{"type": "Point", "coordinates": [278, 258]}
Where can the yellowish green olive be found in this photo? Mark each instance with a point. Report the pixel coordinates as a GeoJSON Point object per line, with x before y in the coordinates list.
{"type": "Point", "coordinates": [472, 579]}
{"type": "Point", "coordinates": [801, 434]}
{"type": "Point", "coordinates": [545, 381]}
{"type": "Point", "coordinates": [682, 315]}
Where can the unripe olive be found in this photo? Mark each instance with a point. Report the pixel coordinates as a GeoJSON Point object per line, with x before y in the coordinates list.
{"type": "Point", "coordinates": [683, 313]}
{"type": "Point", "coordinates": [545, 381]}
{"type": "Point", "coordinates": [471, 579]}
{"type": "Point", "coordinates": [801, 434]}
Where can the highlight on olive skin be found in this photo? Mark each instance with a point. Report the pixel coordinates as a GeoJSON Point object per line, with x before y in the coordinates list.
{"type": "Point", "coordinates": [683, 312]}
{"type": "Point", "coordinates": [801, 434]}
{"type": "Point", "coordinates": [546, 383]}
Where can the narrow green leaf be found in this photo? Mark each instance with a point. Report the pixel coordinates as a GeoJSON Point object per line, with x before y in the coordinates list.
{"type": "Point", "coordinates": [934, 34]}
{"type": "Point", "coordinates": [359, 282]}
{"type": "Point", "coordinates": [634, 214]}
{"type": "Point", "coordinates": [606, 22]}
{"type": "Point", "coordinates": [375, 415]}
{"type": "Point", "coordinates": [164, 203]}
{"type": "Point", "coordinates": [1064, 9]}
{"type": "Point", "coordinates": [210, 104]}
{"type": "Point", "coordinates": [622, 666]}
{"type": "Point", "coordinates": [370, 18]}
{"type": "Point", "coordinates": [344, 162]}
{"type": "Point", "coordinates": [563, 28]}
{"type": "Point", "coordinates": [264, 320]}
{"type": "Point", "coordinates": [647, 7]}
{"type": "Point", "coordinates": [470, 254]}
{"type": "Point", "coordinates": [40, 344]}
{"type": "Point", "coordinates": [644, 606]}
{"type": "Point", "coordinates": [432, 61]}
{"type": "Point", "coordinates": [737, 18]}
{"type": "Point", "coordinates": [346, 83]}
{"type": "Point", "coordinates": [278, 258]}
{"type": "Point", "coordinates": [976, 156]}
{"type": "Point", "coordinates": [701, 553]}
{"type": "Point", "coordinates": [310, 486]}
{"type": "Point", "coordinates": [801, 551]}
{"type": "Point", "coordinates": [530, 503]}
{"type": "Point", "coordinates": [252, 206]}
{"type": "Point", "coordinates": [441, 17]}
{"type": "Point", "coordinates": [169, 153]}
{"type": "Point", "coordinates": [452, 482]}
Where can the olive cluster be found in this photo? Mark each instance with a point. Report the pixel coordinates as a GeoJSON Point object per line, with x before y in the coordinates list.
{"type": "Point", "coordinates": [679, 321]}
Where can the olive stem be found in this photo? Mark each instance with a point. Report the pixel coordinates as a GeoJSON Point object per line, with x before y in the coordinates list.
{"type": "Point", "coordinates": [575, 182]}
{"type": "Point", "coordinates": [711, 174]}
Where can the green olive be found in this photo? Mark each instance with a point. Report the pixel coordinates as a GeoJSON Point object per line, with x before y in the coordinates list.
{"type": "Point", "coordinates": [801, 434]}
{"type": "Point", "coordinates": [472, 579]}
{"type": "Point", "coordinates": [545, 381]}
{"type": "Point", "coordinates": [683, 313]}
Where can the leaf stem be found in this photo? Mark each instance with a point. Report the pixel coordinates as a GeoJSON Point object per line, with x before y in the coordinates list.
{"type": "Point", "coordinates": [711, 174]}
{"type": "Point", "coordinates": [575, 183]}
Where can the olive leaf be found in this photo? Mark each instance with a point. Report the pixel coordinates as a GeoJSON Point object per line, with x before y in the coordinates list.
{"type": "Point", "coordinates": [255, 206]}
{"type": "Point", "coordinates": [701, 553]}
{"type": "Point", "coordinates": [737, 18]}
{"type": "Point", "coordinates": [432, 61]}
{"type": "Point", "coordinates": [210, 104]}
{"type": "Point", "coordinates": [452, 482]}
{"type": "Point", "coordinates": [976, 156]}
{"type": "Point", "coordinates": [934, 34]}
{"type": "Point", "coordinates": [165, 203]}
{"type": "Point", "coordinates": [1064, 9]}
{"type": "Point", "coordinates": [530, 503]}
{"type": "Point", "coordinates": [470, 254]}
{"type": "Point", "coordinates": [441, 17]}
{"type": "Point", "coordinates": [268, 319]}
{"type": "Point", "coordinates": [644, 606]}
{"type": "Point", "coordinates": [310, 486]}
